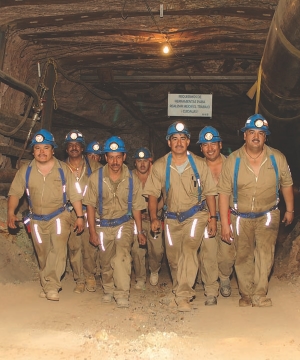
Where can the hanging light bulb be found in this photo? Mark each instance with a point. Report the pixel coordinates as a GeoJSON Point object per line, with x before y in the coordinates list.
{"type": "Point", "coordinates": [166, 49]}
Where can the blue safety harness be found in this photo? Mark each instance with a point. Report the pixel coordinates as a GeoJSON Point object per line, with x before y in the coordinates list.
{"type": "Point", "coordinates": [89, 169]}
{"type": "Point", "coordinates": [252, 215]}
{"type": "Point", "coordinates": [181, 216]}
{"type": "Point", "coordinates": [54, 213]}
{"type": "Point", "coordinates": [122, 219]}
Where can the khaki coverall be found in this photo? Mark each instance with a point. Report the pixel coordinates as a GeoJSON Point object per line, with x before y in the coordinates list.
{"type": "Point", "coordinates": [254, 239]}
{"type": "Point", "coordinates": [49, 237]}
{"type": "Point", "coordinates": [82, 253]}
{"type": "Point", "coordinates": [154, 248]}
{"type": "Point", "coordinates": [182, 240]}
{"type": "Point", "coordinates": [116, 241]}
{"type": "Point", "coordinates": [216, 259]}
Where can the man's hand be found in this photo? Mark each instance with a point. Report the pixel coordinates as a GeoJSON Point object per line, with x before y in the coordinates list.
{"type": "Point", "coordinates": [212, 227]}
{"type": "Point", "coordinates": [11, 221]}
{"type": "Point", "coordinates": [226, 233]}
{"type": "Point", "coordinates": [155, 225]}
{"type": "Point", "coordinates": [288, 218]}
{"type": "Point", "coordinates": [142, 239]}
{"type": "Point", "coordinates": [79, 226]}
{"type": "Point", "coordinates": [94, 239]}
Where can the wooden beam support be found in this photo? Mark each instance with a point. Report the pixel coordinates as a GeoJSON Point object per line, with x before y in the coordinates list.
{"type": "Point", "coordinates": [15, 151]}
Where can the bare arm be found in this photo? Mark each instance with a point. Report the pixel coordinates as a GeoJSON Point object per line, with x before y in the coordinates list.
{"type": "Point", "coordinates": [212, 225]}
{"type": "Point", "coordinates": [13, 202]}
{"type": "Point", "coordinates": [288, 195]}
{"type": "Point", "coordinates": [92, 225]}
{"type": "Point", "coordinates": [152, 205]}
{"type": "Point", "coordinates": [79, 224]}
{"type": "Point", "coordinates": [138, 221]}
{"type": "Point", "coordinates": [226, 233]}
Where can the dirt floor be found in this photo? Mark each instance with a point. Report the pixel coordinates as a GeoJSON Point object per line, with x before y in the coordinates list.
{"type": "Point", "coordinates": [80, 327]}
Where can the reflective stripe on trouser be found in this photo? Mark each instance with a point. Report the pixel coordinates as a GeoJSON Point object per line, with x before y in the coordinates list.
{"type": "Point", "coordinates": [255, 247]}
{"type": "Point", "coordinates": [155, 253]}
{"type": "Point", "coordinates": [51, 248]}
{"type": "Point", "coordinates": [82, 253]}
{"type": "Point", "coordinates": [115, 258]}
{"type": "Point", "coordinates": [216, 259]}
{"type": "Point", "coordinates": [182, 241]}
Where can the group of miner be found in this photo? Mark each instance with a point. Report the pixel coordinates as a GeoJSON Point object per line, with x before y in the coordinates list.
{"type": "Point", "coordinates": [208, 215]}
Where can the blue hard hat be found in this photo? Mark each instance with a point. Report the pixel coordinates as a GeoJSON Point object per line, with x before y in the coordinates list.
{"type": "Point", "coordinates": [114, 144]}
{"type": "Point", "coordinates": [142, 153]}
{"type": "Point", "coordinates": [208, 135]}
{"type": "Point", "coordinates": [257, 122]}
{"type": "Point", "coordinates": [74, 136]}
{"type": "Point", "coordinates": [93, 148]}
{"type": "Point", "coordinates": [43, 136]}
{"type": "Point", "coordinates": [177, 128]}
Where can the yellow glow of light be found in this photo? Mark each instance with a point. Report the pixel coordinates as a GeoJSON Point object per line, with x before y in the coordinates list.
{"type": "Point", "coordinates": [166, 49]}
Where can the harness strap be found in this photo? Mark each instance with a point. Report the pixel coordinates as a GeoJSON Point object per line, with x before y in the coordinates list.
{"type": "Point", "coordinates": [113, 222]}
{"type": "Point", "coordinates": [272, 157]}
{"type": "Point", "coordinates": [100, 192]}
{"type": "Point", "coordinates": [49, 216]}
{"type": "Point", "coordinates": [181, 216]}
{"type": "Point", "coordinates": [89, 169]}
{"type": "Point", "coordinates": [252, 215]}
{"type": "Point", "coordinates": [236, 171]}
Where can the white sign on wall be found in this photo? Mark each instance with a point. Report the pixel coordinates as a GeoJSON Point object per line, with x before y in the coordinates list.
{"type": "Point", "coordinates": [190, 105]}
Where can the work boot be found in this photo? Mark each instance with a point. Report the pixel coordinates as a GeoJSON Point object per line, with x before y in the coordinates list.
{"type": "Point", "coordinates": [90, 284]}
{"type": "Point", "coordinates": [225, 288]}
{"type": "Point", "coordinates": [261, 301]}
{"type": "Point", "coordinates": [184, 305]}
{"type": "Point", "coordinates": [79, 288]}
{"type": "Point", "coordinates": [140, 285]}
{"type": "Point", "coordinates": [107, 298]}
{"type": "Point", "coordinates": [122, 302]}
{"type": "Point", "coordinates": [42, 294]}
{"type": "Point", "coordinates": [154, 278]}
{"type": "Point", "coordinates": [52, 295]}
{"type": "Point", "coordinates": [211, 300]}
{"type": "Point", "coordinates": [245, 301]}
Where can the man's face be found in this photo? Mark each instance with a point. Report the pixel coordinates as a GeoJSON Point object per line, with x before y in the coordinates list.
{"type": "Point", "coordinates": [74, 149]}
{"type": "Point", "coordinates": [179, 143]}
{"type": "Point", "coordinates": [115, 160]}
{"type": "Point", "coordinates": [211, 150]}
{"type": "Point", "coordinates": [43, 153]}
{"type": "Point", "coordinates": [94, 157]}
{"type": "Point", "coordinates": [255, 139]}
{"type": "Point", "coordinates": [142, 165]}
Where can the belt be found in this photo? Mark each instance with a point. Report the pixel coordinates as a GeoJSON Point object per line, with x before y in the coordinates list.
{"type": "Point", "coordinates": [181, 216]}
{"type": "Point", "coordinates": [252, 215]}
{"type": "Point", "coordinates": [113, 222]}
{"type": "Point", "coordinates": [49, 216]}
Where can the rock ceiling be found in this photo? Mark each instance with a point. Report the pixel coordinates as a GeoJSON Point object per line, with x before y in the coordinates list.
{"type": "Point", "coordinates": [107, 55]}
